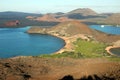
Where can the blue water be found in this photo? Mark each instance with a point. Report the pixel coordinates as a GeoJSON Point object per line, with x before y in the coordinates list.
{"type": "Point", "coordinates": [15, 42]}
{"type": "Point", "coordinates": [109, 29]}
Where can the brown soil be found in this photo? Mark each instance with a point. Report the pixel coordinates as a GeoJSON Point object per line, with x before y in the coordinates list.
{"type": "Point", "coordinates": [33, 68]}
{"type": "Point", "coordinates": [71, 28]}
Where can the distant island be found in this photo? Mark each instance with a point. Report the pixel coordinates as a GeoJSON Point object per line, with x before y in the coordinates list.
{"type": "Point", "coordinates": [86, 15]}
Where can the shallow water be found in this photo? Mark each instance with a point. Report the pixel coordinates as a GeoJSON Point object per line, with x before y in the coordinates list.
{"type": "Point", "coordinates": [115, 51]}
{"type": "Point", "coordinates": [15, 42]}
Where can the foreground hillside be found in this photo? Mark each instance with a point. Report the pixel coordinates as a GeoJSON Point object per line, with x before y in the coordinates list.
{"type": "Point", "coordinates": [36, 68]}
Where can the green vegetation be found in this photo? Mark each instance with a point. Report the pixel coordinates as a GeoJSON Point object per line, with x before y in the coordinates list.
{"type": "Point", "coordinates": [114, 58]}
{"type": "Point", "coordinates": [83, 49]}
{"type": "Point", "coordinates": [90, 49]}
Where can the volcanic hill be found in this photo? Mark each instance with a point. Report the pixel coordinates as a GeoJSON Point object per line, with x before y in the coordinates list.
{"type": "Point", "coordinates": [83, 11]}
{"type": "Point", "coordinates": [68, 28]}
{"type": "Point", "coordinates": [72, 28]}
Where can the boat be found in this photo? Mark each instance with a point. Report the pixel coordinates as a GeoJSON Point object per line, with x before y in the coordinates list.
{"type": "Point", "coordinates": [102, 26]}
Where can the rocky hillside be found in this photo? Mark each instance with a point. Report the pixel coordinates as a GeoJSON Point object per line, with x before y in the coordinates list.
{"type": "Point", "coordinates": [69, 28]}
{"type": "Point", "coordinates": [33, 68]}
{"type": "Point", "coordinates": [113, 19]}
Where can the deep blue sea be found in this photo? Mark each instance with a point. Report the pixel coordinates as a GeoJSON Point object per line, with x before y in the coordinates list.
{"type": "Point", "coordinates": [109, 29]}
{"type": "Point", "coordinates": [16, 42]}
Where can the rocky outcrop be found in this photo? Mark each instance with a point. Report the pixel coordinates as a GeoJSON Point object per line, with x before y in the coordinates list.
{"type": "Point", "coordinates": [12, 23]}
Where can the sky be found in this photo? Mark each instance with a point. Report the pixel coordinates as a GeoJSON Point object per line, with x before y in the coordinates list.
{"type": "Point", "coordinates": [52, 6]}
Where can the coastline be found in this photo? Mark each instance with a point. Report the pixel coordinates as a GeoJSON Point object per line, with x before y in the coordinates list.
{"type": "Point", "coordinates": [67, 39]}
{"type": "Point", "coordinates": [111, 47]}
{"type": "Point", "coordinates": [69, 42]}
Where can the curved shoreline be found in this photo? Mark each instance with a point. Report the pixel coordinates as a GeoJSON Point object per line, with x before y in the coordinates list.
{"type": "Point", "coordinates": [67, 39]}
{"type": "Point", "coordinates": [111, 47]}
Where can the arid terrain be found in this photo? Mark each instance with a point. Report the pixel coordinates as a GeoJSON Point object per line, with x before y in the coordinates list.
{"type": "Point", "coordinates": [39, 68]}
{"type": "Point", "coordinates": [34, 68]}
{"type": "Point", "coordinates": [70, 27]}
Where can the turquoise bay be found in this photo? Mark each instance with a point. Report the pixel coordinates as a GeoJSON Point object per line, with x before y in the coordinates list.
{"type": "Point", "coordinates": [16, 42]}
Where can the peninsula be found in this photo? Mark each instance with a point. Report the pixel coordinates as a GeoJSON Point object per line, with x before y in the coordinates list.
{"type": "Point", "coordinates": [70, 31]}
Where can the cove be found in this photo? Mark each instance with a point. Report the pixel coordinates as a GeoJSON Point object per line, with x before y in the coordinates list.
{"type": "Point", "coordinates": [115, 51]}
{"type": "Point", "coordinates": [109, 29]}
{"type": "Point", "coordinates": [16, 42]}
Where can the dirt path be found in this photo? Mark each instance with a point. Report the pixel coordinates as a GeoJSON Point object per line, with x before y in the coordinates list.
{"type": "Point", "coordinates": [29, 68]}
